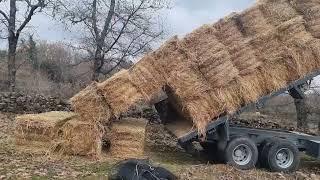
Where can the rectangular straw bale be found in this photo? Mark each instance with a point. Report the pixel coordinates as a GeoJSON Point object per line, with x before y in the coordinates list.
{"type": "Point", "coordinates": [81, 138]}
{"type": "Point", "coordinates": [187, 82]}
{"type": "Point", "coordinates": [275, 76]}
{"type": "Point", "coordinates": [310, 9]}
{"type": "Point", "coordinates": [251, 87]}
{"type": "Point", "coordinates": [210, 55]}
{"type": "Point", "coordinates": [254, 21]}
{"type": "Point", "coordinates": [170, 56]}
{"type": "Point", "coordinates": [265, 43]}
{"type": "Point", "coordinates": [277, 11]}
{"type": "Point", "coordinates": [148, 77]}
{"type": "Point", "coordinates": [295, 38]}
{"type": "Point", "coordinates": [215, 64]}
{"type": "Point", "coordinates": [33, 146]}
{"type": "Point", "coordinates": [202, 41]}
{"type": "Point", "coordinates": [229, 30]}
{"type": "Point", "coordinates": [41, 127]}
{"type": "Point", "coordinates": [189, 89]}
{"type": "Point", "coordinates": [293, 28]}
{"type": "Point", "coordinates": [120, 93]}
{"type": "Point", "coordinates": [241, 54]}
{"type": "Point", "coordinates": [211, 60]}
{"type": "Point", "coordinates": [91, 105]}
{"type": "Point", "coordinates": [229, 97]}
{"type": "Point", "coordinates": [315, 47]}
{"type": "Point", "coordinates": [243, 57]}
{"type": "Point", "coordinates": [199, 108]}
{"type": "Point", "coordinates": [127, 138]}
{"type": "Point", "coordinates": [221, 75]}
{"type": "Point", "coordinates": [301, 58]}
{"type": "Point", "coordinates": [273, 56]}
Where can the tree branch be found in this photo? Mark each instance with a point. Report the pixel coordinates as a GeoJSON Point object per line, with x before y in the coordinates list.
{"type": "Point", "coordinates": [4, 22]}
{"type": "Point", "coordinates": [31, 13]}
{"type": "Point", "coordinates": [28, 2]}
{"type": "Point", "coordinates": [124, 26]}
{"type": "Point", "coordinates": [4, 15]}
{"type": "Point", "coordinates": [94, 20]}
{"type": "Point", "coordinates": [107, 21]}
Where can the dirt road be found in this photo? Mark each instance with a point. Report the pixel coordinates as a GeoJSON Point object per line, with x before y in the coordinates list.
{"type": "Point", "coordinates": [17, 163]}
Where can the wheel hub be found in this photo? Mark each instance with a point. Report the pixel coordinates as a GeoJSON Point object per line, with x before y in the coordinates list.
{"type": "Point", "coordinates": [242, 154]}
{"type": "Point", "coordinates": [284, 158]}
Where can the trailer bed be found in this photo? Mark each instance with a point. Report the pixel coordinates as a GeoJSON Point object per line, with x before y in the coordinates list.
{"type": "Point", "coordinates": [187, 132]}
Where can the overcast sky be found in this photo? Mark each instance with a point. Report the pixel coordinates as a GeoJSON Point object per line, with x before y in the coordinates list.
{"type": "Point", "coordinates": [185, 16]}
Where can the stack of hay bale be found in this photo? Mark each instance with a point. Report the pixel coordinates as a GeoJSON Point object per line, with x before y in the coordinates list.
{"type": "Point", "coordinates": [96, 105]}
{"type": "Point", "coordinates": [81, 138]}
{"type": "Point", "coordinates": [127, 138]}
{"type": "Point", "coordinates": [40, 129]}
{"type": "Point", "coordinates": [212, 71]}
{"type": "Point", "coordinates": [58, 131]}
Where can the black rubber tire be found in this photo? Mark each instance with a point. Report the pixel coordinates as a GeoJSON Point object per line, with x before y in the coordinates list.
{"type": "Point", "coordinates": [209, 147]}
{"type": "Point", "coordinates": [272, 150]}
{"type": "Point", "coordinates": [212, 153]}
{"type": "Point", "coordinates": [263, 151]}
{"type": "Point", "coordinates": [231, 147]}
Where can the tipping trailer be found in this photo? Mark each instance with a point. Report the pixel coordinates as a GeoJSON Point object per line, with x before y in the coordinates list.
{"type": "Point", "coordinates": [243, 147]}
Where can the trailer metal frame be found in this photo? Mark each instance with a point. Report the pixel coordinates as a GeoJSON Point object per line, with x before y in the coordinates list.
{"type": "Point", "coordinates": [219, 130]}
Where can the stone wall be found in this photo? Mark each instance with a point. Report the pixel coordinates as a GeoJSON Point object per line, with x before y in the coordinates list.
{"type": "Point", "coordinates": [22, 103]}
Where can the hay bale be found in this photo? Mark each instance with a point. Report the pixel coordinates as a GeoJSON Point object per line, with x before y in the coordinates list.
{"type": "Point", "coordinates": [170, 56]}
{"type": "Point", "coordinates": [244, 58]}
{"type": "Point", "coordinates": [229, 98]}
{"type": "Point", "coordinates": [273, 55]}
{"type": "Point", "coordinates": [201, 42]}
{"type": "Point", "coordinates": [275, 75]}
{"type": "Point", "coordinates": [187, 82]}
{"type": "Point", "coordinates": [34, 147]}
{"type": "Point", "coordinates": [148, 77]}
{"type": "Point", "coordinates": [293, 28]}
{"type": "Point", "coordinates": [81, 138]}
{"type": "Point", "coordinates": [42, 127]}
{"type": "Point", "coordinates": [91, 105]}
{"type": "Point", "coordinates": [253, 21]}
{"type": "Point", "coordinates": [127, 138]}
{"type": "Point", "coordinates": [197, 109]}
{"type": "Point", "coordinates": [221, 75]}
{"type": "Point", "coordinates": [315, 47]}
{"type": "Point", "coordinates": [251, 87]}
{"type": "Point", "coordinates": [300, 57]}
{"type": "Point", "coordinates": [277, 11]}
{"type": "Point", "coordinates": [232, 34]}
{"type": "Point", "coordinates": [210, 56]}
{"type": "Point", "coordinates": [229, 30]}
{"type": "Point", "coordinates": [120, 93]}
{"type": "Point", "coordinates": [310, 9]}
{"type": "Point", "coordinates": [189, 92]}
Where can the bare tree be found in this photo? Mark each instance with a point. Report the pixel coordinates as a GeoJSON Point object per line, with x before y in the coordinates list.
{"type": "Point", "coordinates": [114, 31]}
{"type": "Point", "coordinates": [15, 24]}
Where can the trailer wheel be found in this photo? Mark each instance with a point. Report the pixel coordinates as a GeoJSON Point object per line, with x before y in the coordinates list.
{"type": "Point", "coordinates": [242, 153]}
{"type": "Point", "coordinates": [282, 156]}
{"type": "Point", "coordinates": [263, 151]}
{"type": "Point", "coordinates": [212, 152]}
